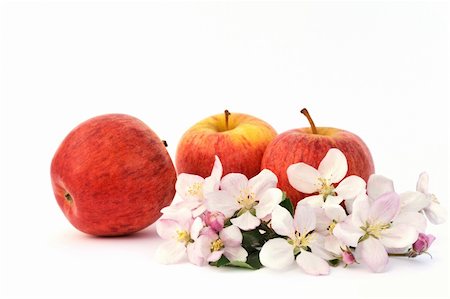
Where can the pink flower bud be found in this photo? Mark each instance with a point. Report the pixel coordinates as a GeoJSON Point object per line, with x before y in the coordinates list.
{"type": "Point", "coordinates": [347, 257]}
{"type": "Point", "coordinates": [215, 220]}
{"type": "Point", "coordinates": [423, 243]}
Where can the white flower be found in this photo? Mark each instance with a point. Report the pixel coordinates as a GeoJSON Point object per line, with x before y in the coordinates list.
{"type": "Point", "coordinates": [211, 246]}
{"type": "Point", "coordinates": [302, 243]}
{"type": "Point", "coordinates": [434, 211]}
{"type": "Point", "coordinates": [373, 227]}
{"type": "Point", "coordinates": [326, 221]}
{"type": "Point", "coordinates": [193, 189]}
{"type": "Point", "coordinates": [179, 233]}
{"type": "Point", "coordinates": [253, 199]}
{"type": "Point", "coordinates": [332, 169]}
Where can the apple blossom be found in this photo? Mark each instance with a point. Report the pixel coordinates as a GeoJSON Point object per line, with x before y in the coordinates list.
{"type": "Point", "coordinates": [421, 245]}
{"type": "Point", "coordinates": [332, 170]}
{"type": "Point", "coordinates": [215, 220]}
{"type": "Point", "coordinates": [434, 211]}
{"type": "Point", "coordinates": [301, 243]}
{"type": "Point", "coordinates": [372, 228]}
{"type": "Point", "coordinates": [252, 199]}
{"type": "Point", "coordinates": [347, 257]}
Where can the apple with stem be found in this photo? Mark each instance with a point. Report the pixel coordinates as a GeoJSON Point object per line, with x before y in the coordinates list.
{"type": "Point", "coordinates": [310, 145]}
{"type": "Point", "coordinates": [239, 140]}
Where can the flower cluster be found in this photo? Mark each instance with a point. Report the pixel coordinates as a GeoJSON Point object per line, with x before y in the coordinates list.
{"type": "Point", "coordinates": [250, 223]}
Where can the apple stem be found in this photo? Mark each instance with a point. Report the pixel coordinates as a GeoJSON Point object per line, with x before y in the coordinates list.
{"type": "Point", "coordinates": [165, 143]}
{"type": "Point", "coordinates": [227, 115]}
{"type": "Point", "coordinates": [305, 112]}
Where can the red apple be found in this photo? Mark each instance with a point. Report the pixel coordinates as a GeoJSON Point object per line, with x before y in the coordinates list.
{"type": "Point", "coordinates": [310, 145]}
{"type": "Point", "coordinates": [112, 175]}
{"type": "Point", "coordinates": [239, 140]}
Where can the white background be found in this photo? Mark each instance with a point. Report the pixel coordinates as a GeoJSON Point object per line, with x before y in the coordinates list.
{"type": "Point", "coordinates": [380, 70]}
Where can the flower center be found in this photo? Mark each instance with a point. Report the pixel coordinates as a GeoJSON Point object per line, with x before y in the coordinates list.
{"type": "Point", "coordinates": [183, 237]}
{"type": "Point", "coordinates": [196, 189]}
{"type": "Point", "coordinates": [246, 200]}
{"type": "Point", "coordinates": [326, 188]}
{"type": "Point", "coordinates": [299, 241]}
{"type": "Point", "coordinates": [332, 226]}
{"type": "Point", "coordinates": [375, 229]}
{"type": "Point", "coordinates": [216, 245]}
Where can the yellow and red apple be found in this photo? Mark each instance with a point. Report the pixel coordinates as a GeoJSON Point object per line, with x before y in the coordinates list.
{"type": "Point", "coordinates": [239, 140]}
{"type": "Point", "coordinates": [112, 175]}
{"type": "Point", "coordinates": [310, 145]}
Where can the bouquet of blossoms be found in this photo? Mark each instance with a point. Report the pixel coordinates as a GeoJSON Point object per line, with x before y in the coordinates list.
{"type": "Point", "coordinates": [250, 223]}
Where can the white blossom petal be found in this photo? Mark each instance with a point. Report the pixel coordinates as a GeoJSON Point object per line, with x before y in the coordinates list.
{"type": "Point", "coordinates": [333, 200]}
{"type": "Point", "coordinates": [196, 227]}
{"type": "Point", "coordinates": [414, 219]}
{"type": "Point", "coordinates": [361, 208]}
{"type": "Point", "coordinates": [333, 245]}
{"type": "Point", "coordinates": [335, 212]}
{"type": "Point", "coordinates": [185, 183]}
{"type": "Point", "coordinates": [231, 236]}
{"type": "Point", "coordinates": [221, 201]}
{"type": "Point", "coordinates": [217, 170]}
{"type": "Point", "coordinates": [372, 253]}
{"type": "Point", "coordinates": [348, 233]}
{"type": "Point", "coordinates": [246, 221]}
{"type": "Point", "coordinates": [181, 213]}
{"type": "Point", "coordinates": [215, 255]}
{"type": "Point", "coordinates": [304, 178]}
{"type": "Point", "coordinates": [277, 254]}
{"type": "Point", "coordinates": [167, 228]}
{"type": "Point", "coordinates": [378, 185]}
{"type": "Point", "coordinates": [317, 246]}
{"type": "Point", "coordinates": [282, 222]}
{"type": "Point", "coordinates": [399, 236]}
{"type": "Point", "coordinates": [312, 264]}
{"type": "Point", "coordinates": [269, 200]}
{"type": "Point", "coordinates": [315, 201]}
{"type": "Point", "coordinates": [234, 183]}
{"type": "Point", "coordinates": [385, 208]}
{"type": "Point", "coordinates": [304, 219]}
{"type": "Point", "coordinates": [350, 187]}
{"type": "Point", "coordinates": [414, 201]}
{"type": "Point", "coordinates": [196, 254]}
{"type": "Point", "coordinates": [422, 183]}
{"type": "Point", "coordinates": [436, 213]}
{"type": "Point", "coordinates": [170, 252]}
{"type": "Point", "coordinates": [237, 253]}
{"type": "Point", "coordinates": [210, 184]}
{"type": "Point", "coordinates": [260, 183]}
{"type": "Point", "coordinates": [334, 166]}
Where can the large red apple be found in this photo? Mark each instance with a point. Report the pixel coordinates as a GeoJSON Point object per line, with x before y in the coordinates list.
{"type": "Point", "coordinates": [112, 175]}
{"type": "Point", "coordinates": [238, 139]}
{"type": "Point", "coordinates": [310, 145]}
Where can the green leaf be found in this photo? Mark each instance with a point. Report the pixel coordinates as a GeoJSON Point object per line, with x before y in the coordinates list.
{"type": "Point", "coordinates": [253, 262]}
{"type": "Point", "coordinates": [252, 239]}
{"type": "Point", "coordinates": [334, 263]}
{"type": "Point", "coordinates": [287, 203]}
{"type": "Point", "coordinates": [223, 261]}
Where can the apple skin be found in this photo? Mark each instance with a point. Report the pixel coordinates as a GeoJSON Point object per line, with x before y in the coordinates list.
{"type": "Point", "coordinates": [240, 148]}
{"type": "Point", "coordinates": [300, 145]}
{"type": "Point", "coordinates": [118, 174]}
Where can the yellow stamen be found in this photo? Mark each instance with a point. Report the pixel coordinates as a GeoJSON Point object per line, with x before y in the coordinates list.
{"type": "Point", "coordinates": [326, 188]}
{"type": "Point", "coordinates": [374, 230]}
{"type": "Point", "coordinates": [217, 245]}
{"type": "Point", "coordinates": [195, 189]}
{"type": "Point", "coordinates": [331, 227]}
{"type": "Point", "coordinates": [246, 200]}
{"type": "Point", "coordinates": [183, 236]}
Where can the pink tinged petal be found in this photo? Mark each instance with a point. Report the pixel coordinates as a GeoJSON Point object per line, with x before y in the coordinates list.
{"type": "Point", "coordinates": [184, 184]}
{"type": "Point", "coordinates": [180, 213]}
{"type": "Point", "coordinates": [315, 201]}
{"type": "Point", "coordinates": [221, 201]}
{"type": "Point", "coordinates": [215, 256]}
{"type": "Point", "coordinates": [379, 185]}
{"type": "Point", "coordinates": [312, 264]}
{"type": "Point", "coordinates": [277, 254]}
{"type": "Point", "coordinates": [422, 183]}
{"type": "Point", "coordinates": [335, 212]}
{"type": "Point", "coordinates": [304, 178]}
{"type": "Point", "coordinates": [347, 232]}
{"type": "Point", "coordinates": [414, 219]}
{"type": "Point", "coordinates": [234, 183]}
{"type": "Point", "coordinates": [333, 200]}
{"type": "Point", "coordinates": [231, 236]}
{"type": "Point", "coordinates": [322, 220]}
{"type": "Point", "coordinates": [193, 255]}
{"type": "Point", "coordinates": [334, 166]}
{"type": "Point", "coordinates": [436, 213]}
{"type": "Point", "coordinates": [170, 252]}
{"type": "Point", "coordinates": [268, 201]}
{"type": "Point", "coordinates": [260, 183]}
{"type": "Point", "coordinates": [318, 247]}
{"type": "Point", "coordinates": [333, 244]}
{"type": "Point", "coordinates": [372, 253]}
{"type": "Point", "coordinates": [399, 236]}
{"type": "Point", "coordinates": [196, 227]}
{"type": "Point", "coordinates": [361, 208]}
{"type": "Point", "coordinates": [414, 201]}
{"type": "Point", "coordinates": [199, 251]}
{"type": "Point", "coordinates": [217, 170]}
{"type": "Point", "coordinates": [282, 222]}
{"type": "Point", "coordinates": [167, 228]}
{"type": "Point", "coordinates": [351, 187]}
{"type": "Point", "coordinates": [237, 253]}
{"type": "Point", "coordinates": [246, 221]}
{"type": "Point", "coordinates": [304, 219]}
{"type": "Point", "coordinates": [384, 208]}
{"type": "Point", "coordinates": [210, 185]}
{"type": "Point", "coordinates": [199, 210]}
